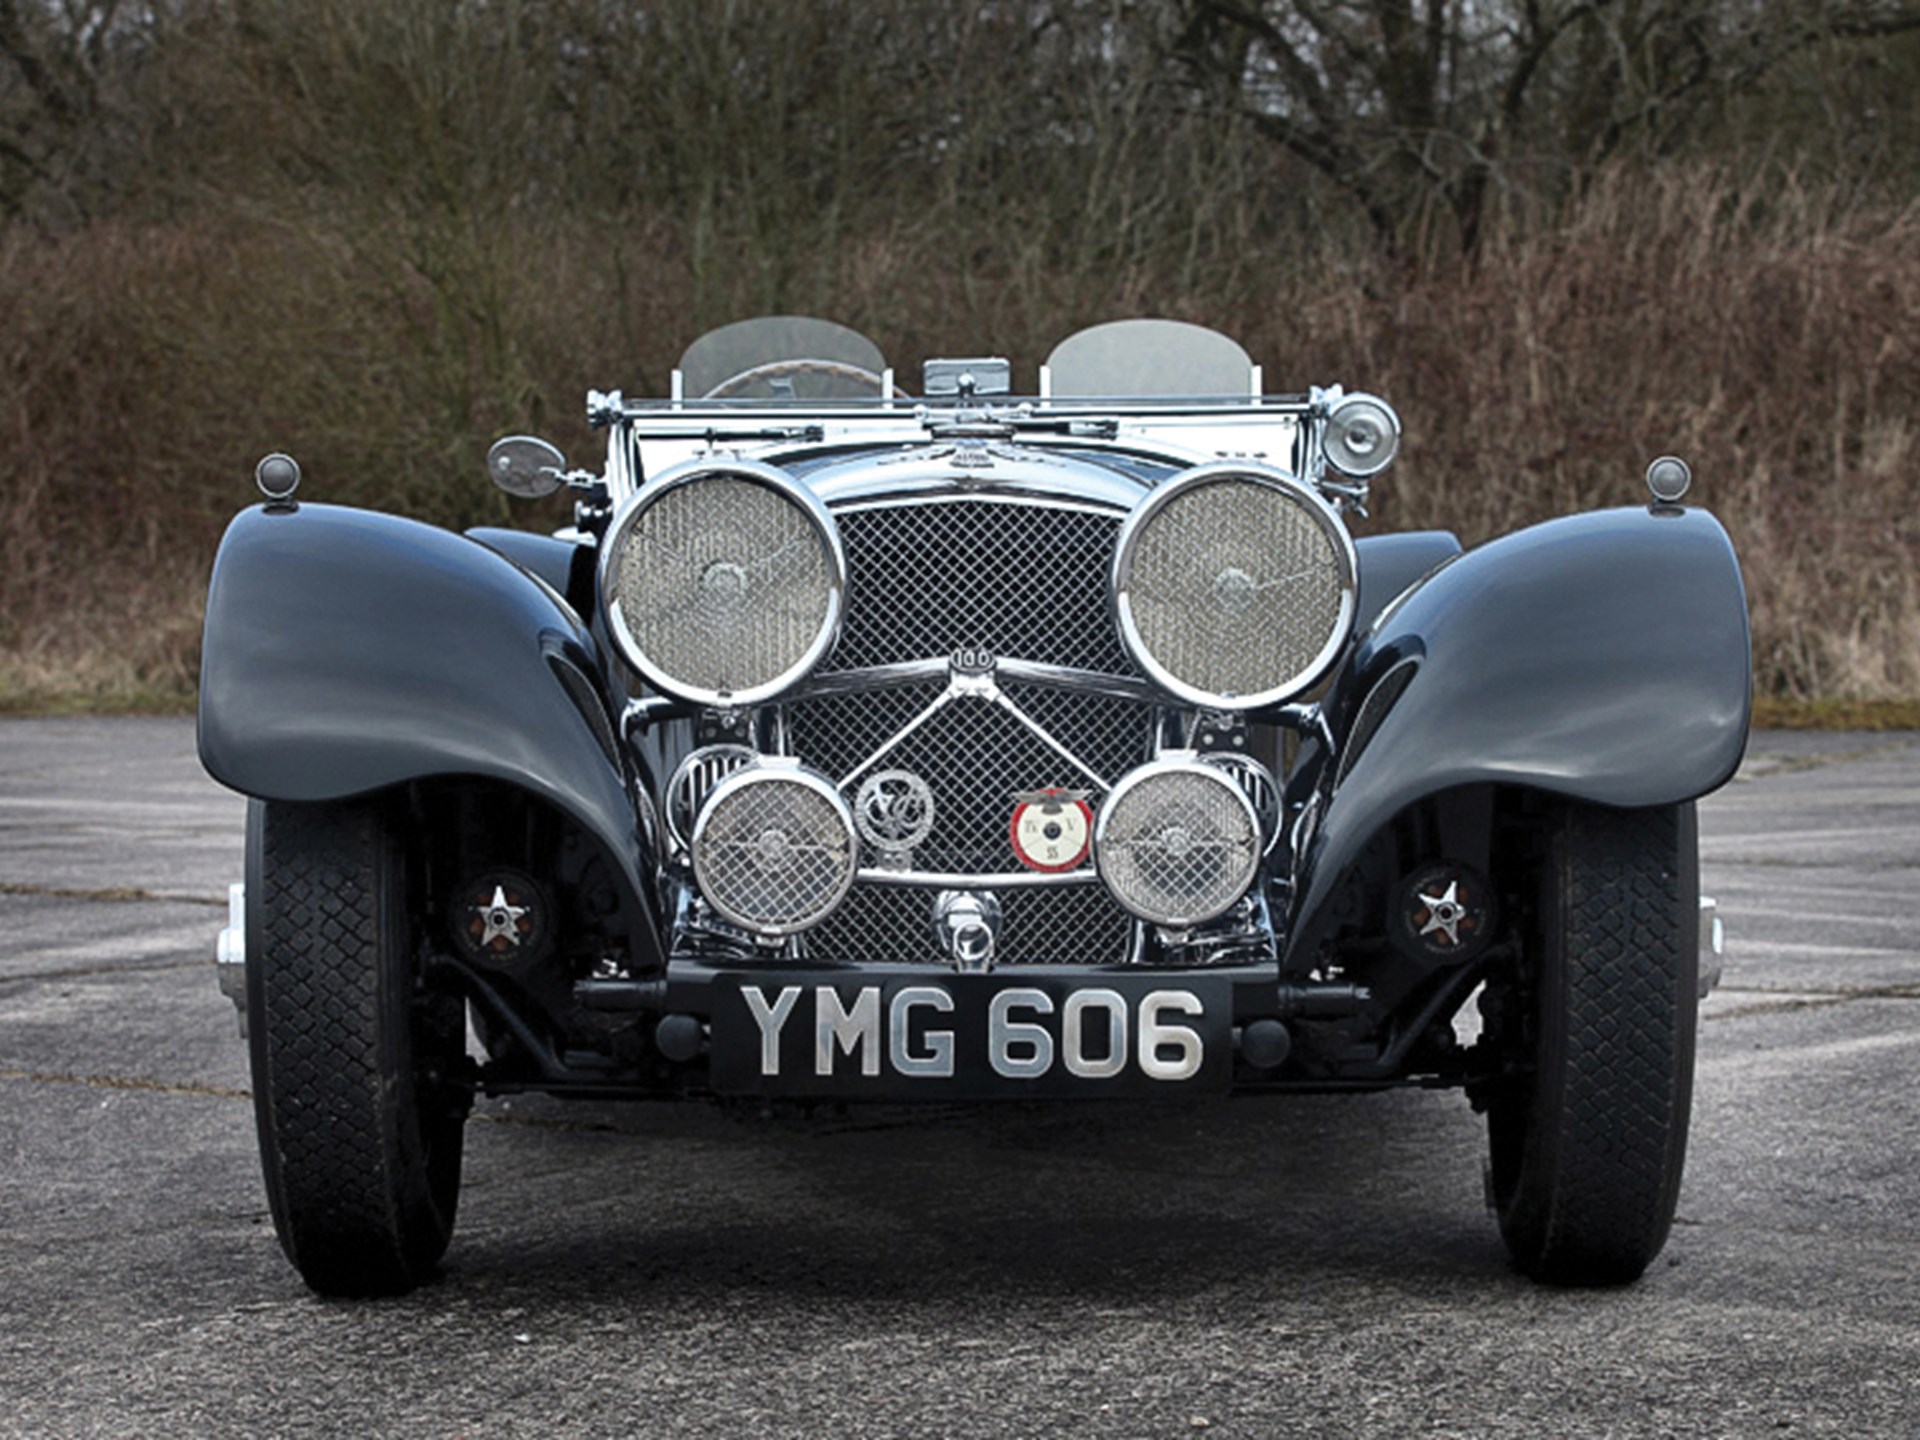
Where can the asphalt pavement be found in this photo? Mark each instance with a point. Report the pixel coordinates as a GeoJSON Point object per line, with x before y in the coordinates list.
{"type": "Point", "coordinates": [1318, 1266]}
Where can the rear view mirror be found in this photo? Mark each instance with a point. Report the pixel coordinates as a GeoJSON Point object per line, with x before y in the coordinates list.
{"type": "Point", "coordinates": [526, 465]}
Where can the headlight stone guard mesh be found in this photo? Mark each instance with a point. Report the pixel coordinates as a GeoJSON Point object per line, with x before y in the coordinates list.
{"type": "Point", "coordinates": [722, 585]}
{"type": "Point", "coordinates": [1178, 843]}
{"type": "Point", "coordinates": [1235, 589]}
{"type": "Point", "coordinates": [773, 849]}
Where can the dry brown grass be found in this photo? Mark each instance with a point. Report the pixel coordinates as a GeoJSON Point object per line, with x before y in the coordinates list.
{"type": "Point", "coordinates": [1770, 334]}
{"type": "Point", "coordinates": [1770, 337]}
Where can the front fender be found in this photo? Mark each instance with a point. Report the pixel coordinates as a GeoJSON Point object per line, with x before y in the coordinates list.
{"type": "Point", "coordinates": [346, 651]}
{"type": "Point", "coordinates": [1604, 657]}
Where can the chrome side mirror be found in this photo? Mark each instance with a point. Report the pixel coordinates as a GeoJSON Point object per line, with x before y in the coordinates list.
{"type": "Point", "coordinates": [526, 465]}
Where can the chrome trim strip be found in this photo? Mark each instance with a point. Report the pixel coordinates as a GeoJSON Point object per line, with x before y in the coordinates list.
{"type": "Point", "coordinates": [1021, 672]}
{"type": "Point", "coordinates": [874, 677]}
{"type": "Point", "coordinates": [1060, 677]}
{"type": "Point", "coordinates": [979, 687]}
{"type": "Point", "coordinates": [995, 694]}
{"type": "Point", "coordinates": [997, 880]}
{"type": "Point", "coordinates": [1019, 475]}
{"type": "Point", "coordinates": [940, 702]}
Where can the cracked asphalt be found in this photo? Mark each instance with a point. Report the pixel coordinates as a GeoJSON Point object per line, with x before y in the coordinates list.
{"type": "Point", "coordinates": [1317, 1266]}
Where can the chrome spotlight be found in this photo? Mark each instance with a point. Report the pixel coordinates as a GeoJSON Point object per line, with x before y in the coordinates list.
{"type": "Point", "coordinates": [1362, 436]}
{"type": "Point", "coordinates": [774, 848]}
{"type": "Point", "coordinates": [723, 582]}
{"type": "Point", "coordinates": [1177, 841]}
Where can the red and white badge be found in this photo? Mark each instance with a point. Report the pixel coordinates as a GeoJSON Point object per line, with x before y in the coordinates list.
{"type": "Point", "coordinates": [1052, 829]}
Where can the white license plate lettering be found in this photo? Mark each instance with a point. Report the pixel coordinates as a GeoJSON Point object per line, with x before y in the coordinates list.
{"type": "Point", "coordinates": [934, 1056]}
{"type": "Point", "coordinates": [840, 1031]}
{"type": "Point", "coordinates": [1169, 1051]}
{"type": "Point", "coordinates": [1024, 1033]}
{"type": "Point", "coordinates": [1085, 1012]}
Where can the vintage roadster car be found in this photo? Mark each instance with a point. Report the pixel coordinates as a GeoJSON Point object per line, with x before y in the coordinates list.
{"type": "Point", "coordinates": [853, 746]}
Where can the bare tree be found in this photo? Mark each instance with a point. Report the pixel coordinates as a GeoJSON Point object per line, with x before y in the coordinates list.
{"type": "Point", "coordinates": [1405, 104]}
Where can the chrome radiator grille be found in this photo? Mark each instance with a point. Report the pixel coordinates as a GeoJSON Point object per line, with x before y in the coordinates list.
{"type": "Point", "coordinates": [1019, 581]}
{"type": "Point", "coordinates": [974, 756]}
{"type": "Point", "coordinates": [890, 925]}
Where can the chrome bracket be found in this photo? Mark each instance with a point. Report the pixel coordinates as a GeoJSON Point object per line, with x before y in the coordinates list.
{"type": "Point", "coordinates": [230, 953]}
{"type": "Point", "coordinates": [967, 923]}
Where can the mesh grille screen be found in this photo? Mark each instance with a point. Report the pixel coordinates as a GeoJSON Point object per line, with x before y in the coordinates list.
{"type": "Point", "coordinates": [773, 852]}
{"type": "Point", "coordinates": [1022, 582]}
{"type": "Point", "coordinates": [974, 757]}
{"type": "Point", "coordinates": [723, 584]}
{"type": "Point", "coordinates": [888, 925]}
{"type": "Point", "coordinates": [1236, 588]}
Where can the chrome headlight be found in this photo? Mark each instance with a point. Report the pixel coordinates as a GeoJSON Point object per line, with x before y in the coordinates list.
{"type": "Point", "coordinates": [774, 848]}
{"type": "Point", "coordinates": [723, 582]}
{"type": "Point", "coordinates": [1177, 841]}
{"type": "Point", "coordinates": [1234, 586]}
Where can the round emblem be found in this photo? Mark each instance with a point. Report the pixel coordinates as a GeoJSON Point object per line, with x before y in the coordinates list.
{"type": "Point", "coordinates": [1052, 830]}
{"type": "Point", "coordinates": [894, 810]}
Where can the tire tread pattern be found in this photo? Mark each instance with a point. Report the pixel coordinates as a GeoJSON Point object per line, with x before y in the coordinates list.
{"type": "Point", "coordinates": [1606, 1139]}
{"type": "Point", "coordinates": [345, 1175]}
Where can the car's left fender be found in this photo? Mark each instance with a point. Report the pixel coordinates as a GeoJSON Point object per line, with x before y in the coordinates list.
{"type": "Point", "coordinates": [347, 651]}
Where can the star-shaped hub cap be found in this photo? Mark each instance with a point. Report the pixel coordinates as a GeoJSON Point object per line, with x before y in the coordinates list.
{"type": "Point", "coordinates": [1444, 914]}
{"type": "Point", "coordinates": [502, 919]}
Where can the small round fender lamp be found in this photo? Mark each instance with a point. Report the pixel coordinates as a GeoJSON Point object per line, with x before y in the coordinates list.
{"type": "Point", "coordinates": [1669, 478]}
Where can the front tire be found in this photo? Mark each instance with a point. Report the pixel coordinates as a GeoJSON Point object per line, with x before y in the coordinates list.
{"type": "Point", "coordinates": [1588, 1141]}
{"type": "Point", "coordinates": [353, 1060]}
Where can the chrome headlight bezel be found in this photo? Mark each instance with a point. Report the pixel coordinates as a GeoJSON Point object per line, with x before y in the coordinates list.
{"type": "Point", "coordinates": [717, 891]}
{"type": "Point", "coordinates": [621, 534]}
{"type": "Point", "coordinates": [1172, 765]}
{"type": "Point", "coordinates": [1340, 553]}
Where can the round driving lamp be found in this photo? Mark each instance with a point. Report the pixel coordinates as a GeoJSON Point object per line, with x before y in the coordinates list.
{"type": "Point", "coordinates": [774, 848]}
{"type": "Point", "coordinates": [1177, 841]}
{"type": "Point", "coordinates": [723, 582]}
{"type": "Point", "coordinates": [1362, 436]}
{"type": "Point", "coordinates": [1233, 586]}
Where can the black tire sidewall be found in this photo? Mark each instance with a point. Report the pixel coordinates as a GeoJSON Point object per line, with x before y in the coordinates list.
{"type": "Point", "coordinates": [1546, 1162]}
{"type": "Point", "coordinates": [402, 1183]}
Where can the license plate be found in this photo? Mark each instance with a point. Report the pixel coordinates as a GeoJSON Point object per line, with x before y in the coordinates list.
{"type": "Point", "coordinates": [971, 1036]}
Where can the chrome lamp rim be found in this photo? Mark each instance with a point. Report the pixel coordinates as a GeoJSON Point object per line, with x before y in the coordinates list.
{"type": "Point", "coordinates": [692, 473]}
{"type": "Point", "coordinates": [774, 770]}
{"type": "Point", "coordinates": [1214, 473]}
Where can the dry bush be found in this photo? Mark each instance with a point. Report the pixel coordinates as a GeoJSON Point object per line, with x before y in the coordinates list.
{"type": "Point", "coordinates": [1769, 334]}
